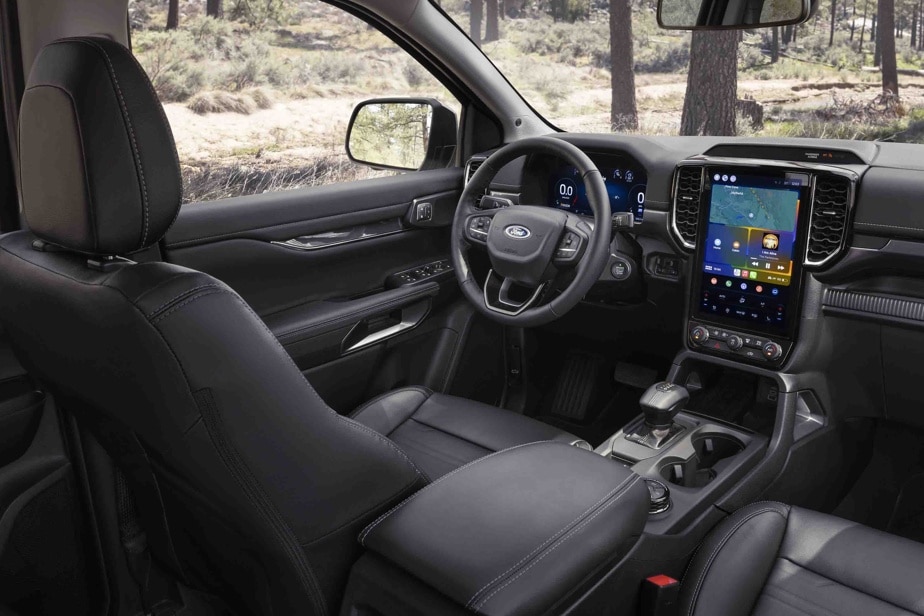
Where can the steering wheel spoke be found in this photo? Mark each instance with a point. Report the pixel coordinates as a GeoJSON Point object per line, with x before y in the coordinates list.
{"type": "Point", "coordinates": [504, 296]}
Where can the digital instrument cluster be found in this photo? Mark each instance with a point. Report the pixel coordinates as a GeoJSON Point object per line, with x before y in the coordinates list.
{"type": "Point", "coordinates": [625, 185]}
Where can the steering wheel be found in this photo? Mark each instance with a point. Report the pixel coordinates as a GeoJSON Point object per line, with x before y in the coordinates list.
{"type": "Point", "coordinates": [531, 247]}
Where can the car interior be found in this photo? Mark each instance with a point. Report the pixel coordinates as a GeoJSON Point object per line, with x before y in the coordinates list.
{"type": "Point", "coordinates": [542, 372]}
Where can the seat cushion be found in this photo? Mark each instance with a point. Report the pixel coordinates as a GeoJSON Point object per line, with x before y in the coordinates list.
{"type": "Point", "coordinates": [771, 559]}
{"type": "Point", "coordinates": [441, 433]}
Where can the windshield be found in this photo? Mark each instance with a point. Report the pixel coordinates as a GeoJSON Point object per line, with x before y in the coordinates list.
{"type": "Point", "coordinates": [593, 66]}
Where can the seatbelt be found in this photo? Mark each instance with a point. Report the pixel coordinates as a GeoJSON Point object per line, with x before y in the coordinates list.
{"type": "Point", "coordinates": [153, 585]}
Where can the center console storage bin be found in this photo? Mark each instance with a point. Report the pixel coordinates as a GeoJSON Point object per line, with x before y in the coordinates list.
{"type": "Point", "coordinates": [527, 530]}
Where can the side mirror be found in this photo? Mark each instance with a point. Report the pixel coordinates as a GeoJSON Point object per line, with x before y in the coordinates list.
{"type": "Point", "coordinates": [731, 14]}
{"type": "Point", "coordinates": [402, 133]}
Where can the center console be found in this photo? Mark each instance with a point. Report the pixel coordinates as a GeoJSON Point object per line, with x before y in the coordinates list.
{"type": "Point", "coordinates": [751, 239]}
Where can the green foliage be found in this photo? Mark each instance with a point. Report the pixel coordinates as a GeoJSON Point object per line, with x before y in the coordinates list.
{"type": "Point", "coordinates": [569, 10]}
{"type": "Point", "coordinates": [167, 58]}
{"type": "Point", "coordinates": [261, 13]}
{"type": "Point", "coordinates": [568, 43]}
{"type": "Point", "coordinates": [253, 64]}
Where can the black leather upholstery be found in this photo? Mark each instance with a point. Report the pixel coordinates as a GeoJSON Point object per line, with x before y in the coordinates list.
{"type": "Point", "coordinates": [772, 559]}
{"type": "Point", "coordinates": [248, 484]}
{"type": "Point", "coordinates": [263, 487]}
{"type": "Point", "coordinates": [517, 531]}
{"type": "Point", "coordinates": [441, 433]}
{"type": "Point", "coordinates": [98, 164]}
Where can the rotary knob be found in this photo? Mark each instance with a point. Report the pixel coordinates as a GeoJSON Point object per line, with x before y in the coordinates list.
{"type": "Point", "coordinates": [772, 351]}
{"type": "Point", "coordinates": [699, 334]}
{"type": "Point", "coordinates": [734, 343]}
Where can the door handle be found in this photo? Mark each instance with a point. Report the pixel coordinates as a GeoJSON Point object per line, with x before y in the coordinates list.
{"type": "Point", "coordinates": [368, 332]}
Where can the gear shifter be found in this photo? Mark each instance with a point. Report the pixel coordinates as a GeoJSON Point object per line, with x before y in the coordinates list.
{"type": "Point", "coordinates": [660, 403]}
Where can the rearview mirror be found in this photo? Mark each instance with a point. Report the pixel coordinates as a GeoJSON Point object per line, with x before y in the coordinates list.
{"type": "Point", "coordinates": [402, 133]}
{"type": "Point", "coordinates": [731, 14]}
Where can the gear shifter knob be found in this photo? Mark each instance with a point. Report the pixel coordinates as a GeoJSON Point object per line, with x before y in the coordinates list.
{"type": "Point", "coordinates": [661, 402]}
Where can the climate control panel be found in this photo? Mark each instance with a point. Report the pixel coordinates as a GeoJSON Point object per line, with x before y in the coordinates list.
{"type": "Point", "coordinates": [753, 348]}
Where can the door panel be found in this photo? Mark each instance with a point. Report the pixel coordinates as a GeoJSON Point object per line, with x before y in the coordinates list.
{"type": "Point", "coordinates": [325, 268]}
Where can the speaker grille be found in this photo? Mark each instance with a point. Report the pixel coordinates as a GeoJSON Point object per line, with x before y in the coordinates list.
{"type": "Point", "coordinates": [830, 212]}
{"type": "Point", "coordinates": [686, 204]}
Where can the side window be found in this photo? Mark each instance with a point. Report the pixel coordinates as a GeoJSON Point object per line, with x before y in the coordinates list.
{"type": "Point", "coordinates": [259, 93]}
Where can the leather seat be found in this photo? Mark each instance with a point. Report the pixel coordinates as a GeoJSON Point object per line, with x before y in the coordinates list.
{"type": "Point", "coordinates": [247, 483]}
{"type": "Point", "coordinates": [441, 433]}
{"type": "Point", "coordinates": [773, 559]}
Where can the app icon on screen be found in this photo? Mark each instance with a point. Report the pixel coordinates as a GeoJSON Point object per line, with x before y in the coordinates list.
{"type": "Point", "coordinates": [753, 275]}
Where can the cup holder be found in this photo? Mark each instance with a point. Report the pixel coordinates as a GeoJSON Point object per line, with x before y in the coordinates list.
{"type": "Point", "coordinates": [705, 465]}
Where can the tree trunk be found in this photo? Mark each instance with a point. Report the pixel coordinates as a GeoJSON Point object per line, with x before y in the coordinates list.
{"type": "Point", "coordinates": [775, 45]}
{"type": "Point", "coordinates": [914, 29]}
{"type": "Point", "coordinates": [491, 29]}
{"type": "Point", "coordinates": [833, 19]}
{"type": "Point", "coordinates": [173, 14]}
{"type": "Point", "coordinates": [477, 13]}
{"type": "Point", "coordinates": [623, 110]}
{"type": "Point", "coordinates": [887, 46]}
{"type": "Point", "coordinates": [712, 85]}
{"type": "Point", "coordinates": [214, 8]}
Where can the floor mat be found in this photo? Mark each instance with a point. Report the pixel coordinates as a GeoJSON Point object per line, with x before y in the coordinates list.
{"type": "Point", "coordinates": [574, 390]}
{"type": "Point", "coordinates": [889, 494]}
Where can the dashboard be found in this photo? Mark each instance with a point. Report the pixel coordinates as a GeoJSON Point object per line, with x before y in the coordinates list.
{"type": "Point", "coordinates": [755, 235]}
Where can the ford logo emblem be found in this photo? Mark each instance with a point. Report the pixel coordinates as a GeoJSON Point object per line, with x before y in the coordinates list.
{"type": "Point", "coordinates": [517, 232]}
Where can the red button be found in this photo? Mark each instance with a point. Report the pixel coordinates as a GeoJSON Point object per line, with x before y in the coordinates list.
{"type": "Point", "coordinates": [662, 581]}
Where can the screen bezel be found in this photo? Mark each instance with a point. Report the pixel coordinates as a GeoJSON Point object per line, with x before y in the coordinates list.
{"type": "Point", "coordinates": [794, 302]}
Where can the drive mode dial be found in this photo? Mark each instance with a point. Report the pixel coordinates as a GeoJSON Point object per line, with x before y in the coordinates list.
{"type": "Point", "coordinates": [699, 334]}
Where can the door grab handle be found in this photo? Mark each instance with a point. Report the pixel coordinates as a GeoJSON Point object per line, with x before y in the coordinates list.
{"type": "Point", "coordinates": [360, 337]}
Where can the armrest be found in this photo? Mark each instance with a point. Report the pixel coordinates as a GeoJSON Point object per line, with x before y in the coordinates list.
{"type": "Point", "coordinates": [518, 530]}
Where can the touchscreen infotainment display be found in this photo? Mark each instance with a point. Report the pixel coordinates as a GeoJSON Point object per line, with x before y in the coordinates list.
{"type": "Point", "coordinates": [749, 257]}
{"type": "Point", "coordinates": [625, 186]}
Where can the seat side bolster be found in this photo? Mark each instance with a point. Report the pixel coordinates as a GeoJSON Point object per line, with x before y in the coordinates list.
{"type": "Point", "coordinates": [732, 565]}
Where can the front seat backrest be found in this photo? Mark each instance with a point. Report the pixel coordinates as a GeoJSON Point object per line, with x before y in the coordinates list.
{"type": "Point", "coordinates": [250, 485]}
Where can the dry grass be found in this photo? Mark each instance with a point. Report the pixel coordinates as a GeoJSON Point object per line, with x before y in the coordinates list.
{"type": "Point", "coordinates": [209, 181]}
{"type": "Point", "coordinates": [223, 102]}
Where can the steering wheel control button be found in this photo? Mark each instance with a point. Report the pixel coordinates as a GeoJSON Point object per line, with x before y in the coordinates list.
{"type": "Point", "coordinates": [772, 351]}
{"type": "Point", "coordinates": [569, 247]}
{"type": "Point", "coordinates": [699, 334]}
{"type": "Point", "coordinates": [478, 228]}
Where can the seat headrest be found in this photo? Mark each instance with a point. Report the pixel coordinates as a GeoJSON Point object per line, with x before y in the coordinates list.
{"type": "Point", "coordinates": [98, 163]}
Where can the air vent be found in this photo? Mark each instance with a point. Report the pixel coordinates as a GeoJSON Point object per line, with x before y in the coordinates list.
{"type": "Point", "coordinates": [686, 204]}
{"type": "Point", "coordinates": [830, 215]}
{"type": "Point", "coordinates": [470, 168]}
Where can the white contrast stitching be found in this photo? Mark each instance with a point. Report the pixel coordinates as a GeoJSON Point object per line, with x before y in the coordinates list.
{"type": "Point", "coordinates": [381, 518]}
{"type": "Point", "coordinates": [560, 542]}
{"type": "Point", "coordinates": [549, 540]}
{"type": "Point", "coordinates": [131, 134]}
